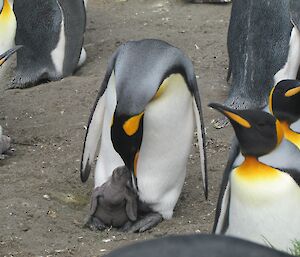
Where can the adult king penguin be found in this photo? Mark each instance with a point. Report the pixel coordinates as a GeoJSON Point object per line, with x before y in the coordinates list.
{"type": "Point", "coordinates": [263, 47]}
{"type": "Point", "coordinates": [196, 246]}
{"type": "Point", "coordinates": [260, 195]}
{"type": "Point", "coordinates": [285, 106]}
{"type": "Point", "coordinates": [53, 45]}
{"type": "Point", "coordinates": [145, 115]}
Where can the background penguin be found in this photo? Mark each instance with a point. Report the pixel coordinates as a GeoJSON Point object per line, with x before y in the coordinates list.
{"type": "Point", "coordinates": [145, 114]}
{"type": "Point", "coordinates": [258, 201]}
{"type": "Point", "coordinates": [5, 140]}
{"type": "Point", "coordinates": [8, 26]}
{"type": "Point", "coordinates": [285, 106]}
{"type": "Point", "coordinates": [53, 45]}
{"type": "Point", "coordinates": [263, 47]}
{"type": "Point", "coordinates": [196, 246]}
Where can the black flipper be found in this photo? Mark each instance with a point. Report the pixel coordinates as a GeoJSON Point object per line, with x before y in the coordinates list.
{"type": "Point", "coordinates": [225, 185]}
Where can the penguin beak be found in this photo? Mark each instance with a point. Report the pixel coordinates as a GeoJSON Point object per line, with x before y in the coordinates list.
{"type": "Point", "coordinates": [292, 92]}
{"type": "Point", "coordinates": [232, 114]}
{"type": "Point", "coordinates": [7, 54]}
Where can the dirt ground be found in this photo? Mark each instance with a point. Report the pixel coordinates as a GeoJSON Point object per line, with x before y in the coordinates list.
{"type": "Point", "coordinates": [42, 201]}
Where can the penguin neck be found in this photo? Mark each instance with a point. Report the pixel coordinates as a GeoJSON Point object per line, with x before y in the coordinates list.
{"type": "Point", "coordinates": [6, 11]}
{"type": "Point", "coordinates": [253, 170]}
{"type": "Point", "coordinates": [290, 135]}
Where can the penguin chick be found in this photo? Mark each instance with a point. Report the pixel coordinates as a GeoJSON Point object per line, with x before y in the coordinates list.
{"type": "Point", "coordinates": [260, 202]}
{"type": "Point", "coordinates": [284, 104]}
{"type": "Point", "coordinates": [114, 203]}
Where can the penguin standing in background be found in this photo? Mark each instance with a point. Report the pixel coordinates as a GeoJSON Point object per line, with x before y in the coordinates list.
{"type": "Point", "coordinates": [260, 195]}
{"type": "Point", "coordinates": [144, 117]}
{"type": "Point", "coordinates": [263, 47]}
{"type": "Point", "coordinates": [53, 45]}
{"type": "Point", "coordinates": [5, 140]}
{"type": "Point", "coordinates": [285, 106]}
{"type": "Point", "coordinates": [199, 245]}
{"type": "Point", "coordinates": [8, 26]}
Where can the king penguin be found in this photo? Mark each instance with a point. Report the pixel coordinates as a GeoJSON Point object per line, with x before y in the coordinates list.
{"type": "Point", "coordinates": [8, 26]}
{"type": "Point", "coordinates": [263, 47]}
{"type": "Point", "coordinates": [260, 194]}
{"type": "Point", "coordinates": [144, 117]}
{"type": "Point", "coordinates": [53, 45]}
{"type": "Point", "coordinates": [285, 106]}
{"type": "Point", "coordinates": [196, 246]}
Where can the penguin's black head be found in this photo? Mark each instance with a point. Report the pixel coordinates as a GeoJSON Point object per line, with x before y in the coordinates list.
{"type": "Point", "coordinates": [126, 136]}
{"type": "Point", "coordinates": [7, 54]}
{"type": "Point", "coordinates": [258, 132]}
{"type": "Point", "coordinates": [284, 101]}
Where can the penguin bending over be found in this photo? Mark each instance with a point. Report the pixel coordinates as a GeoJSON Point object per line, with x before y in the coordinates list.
{"type": "Point", "coordinates": [196, 246]}
{"type": "Point", "coordinates": [285, 106]}
{"type": "Point", "coordinates": [53, 45]}
{"type": "Point", "coordinates": [263, 47]}
{"type": "Point", "coordinates": [260, 193]}
{"type": "Point", "coordinates": [144, 117]}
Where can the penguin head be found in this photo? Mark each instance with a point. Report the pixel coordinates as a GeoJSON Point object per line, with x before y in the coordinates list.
{"type": "Point", "coordinates": [258, 132]}
{"type": "Point", "coordinates": [284, 101]}
{"type": "Point", "coordinates": [126, 136]}
{"type": "Point", "coordinates": [7, 54]}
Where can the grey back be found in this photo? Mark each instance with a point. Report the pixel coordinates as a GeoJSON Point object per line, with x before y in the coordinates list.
{"type": "Point", "coordinates": [258, 45]}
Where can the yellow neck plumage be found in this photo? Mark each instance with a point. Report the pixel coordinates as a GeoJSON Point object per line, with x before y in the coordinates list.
{"type": "Point", "coordinates": [291, 135]}
{"type": "Point", "coordinates": [253, 170]}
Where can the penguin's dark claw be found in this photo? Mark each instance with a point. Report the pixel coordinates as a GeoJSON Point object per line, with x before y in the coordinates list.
{"type": "Point", "coordinates": [220, 123]}
{"type": "Point", "coordinates": [145, 223]}
{"type": "Point", "coordinates": [94, 224]}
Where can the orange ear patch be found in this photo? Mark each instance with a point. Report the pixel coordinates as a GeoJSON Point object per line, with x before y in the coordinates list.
{"type": "Point", "coordinates": [292, 92]}
{"type": "Point", "coordinates": [238, 119]}
{"type": "Point", "coordinates": [131, 125]}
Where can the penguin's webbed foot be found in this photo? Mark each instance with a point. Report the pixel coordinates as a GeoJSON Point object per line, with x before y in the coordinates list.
{"type": "Point", "coordinates": [5, 142]}
{"type": "Point", "coordinates": [94, 224]}
{"type": "Point", "coordinates": [20, 82]}
{"type": "Point", "coordinates": [147, 222]}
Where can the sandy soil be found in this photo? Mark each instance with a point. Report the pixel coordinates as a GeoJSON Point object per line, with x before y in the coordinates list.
{"type": "Point", "coordinates": [42, 201]}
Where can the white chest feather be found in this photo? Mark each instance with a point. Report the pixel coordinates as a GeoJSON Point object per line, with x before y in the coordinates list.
{"type": "Point", "coordinates": [265, 211]}
{"type": "Point", "coordinates": [58, 54]}
{"type": "Point", "coordinates": [290, 69]}
{"type": "Point", "coordinates": [167, 139]}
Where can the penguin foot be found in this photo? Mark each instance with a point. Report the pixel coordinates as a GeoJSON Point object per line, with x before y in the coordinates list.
{"type": "Point", "coordinates": [4, 144]}
{"type": "Point", "coordinates": [94, 224]}
{"type": "Point", "coordinates": [220, 123]}
{"type": "Point", "coordinates": [145, 223]}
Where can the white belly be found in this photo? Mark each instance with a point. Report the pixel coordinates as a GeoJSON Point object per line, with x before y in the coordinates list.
{"type": "Point", "coordinates": [265, 212]}
{"type": "Point", "coordinates": [167, 139]}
